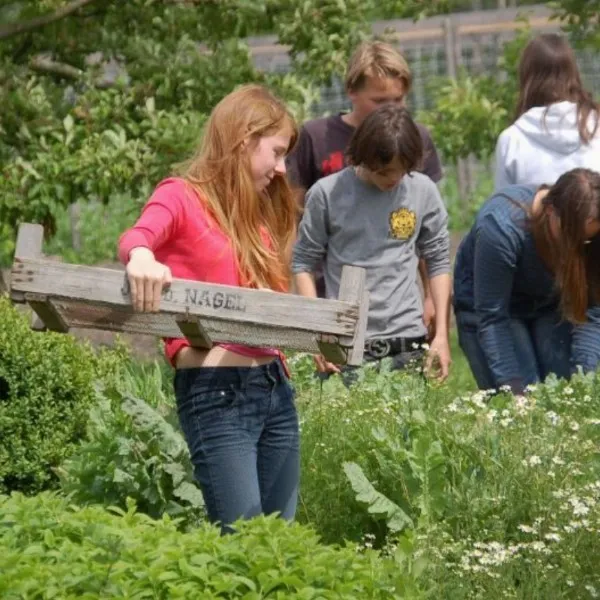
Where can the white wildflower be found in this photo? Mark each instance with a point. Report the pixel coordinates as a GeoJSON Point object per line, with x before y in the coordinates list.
{"type": "Point", "coordinates": [568, 391]}
{"type": "Point", "coordinates": [532, 461]}
{"type": "Point", "coordinates": [539, 547]}
{"type": "Point", "coordinates": [552, 537]}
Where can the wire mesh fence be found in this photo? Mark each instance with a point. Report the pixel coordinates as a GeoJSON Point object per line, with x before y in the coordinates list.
{"type": "Point", "coordinates": [438, 47]}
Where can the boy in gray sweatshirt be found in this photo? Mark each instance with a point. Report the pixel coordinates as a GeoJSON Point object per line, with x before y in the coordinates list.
{"type": "Point", "coordinates": [376, 214]}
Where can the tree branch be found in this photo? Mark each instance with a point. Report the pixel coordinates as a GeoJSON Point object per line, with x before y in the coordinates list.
{"type": "Point", "coordinates": [61, 13]}
{"type": "Point", "coordinates": [45, 64]}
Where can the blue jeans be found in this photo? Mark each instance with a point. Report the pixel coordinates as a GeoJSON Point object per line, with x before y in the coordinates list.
{"type": "Point", "coordinates": [543, 346]}
{"type": "Point", "coordinates": [241, 428]}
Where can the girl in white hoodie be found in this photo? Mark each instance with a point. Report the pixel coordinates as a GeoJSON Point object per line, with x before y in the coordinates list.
{"type": "Point", "coordinates": [557, 127]}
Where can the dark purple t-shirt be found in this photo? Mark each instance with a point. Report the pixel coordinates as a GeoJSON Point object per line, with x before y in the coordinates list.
{"type": "Point", "coordinates": [321, 147]}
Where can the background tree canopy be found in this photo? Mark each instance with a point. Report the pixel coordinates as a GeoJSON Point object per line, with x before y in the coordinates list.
{"type": "Point", "coordinates": [100, 98]}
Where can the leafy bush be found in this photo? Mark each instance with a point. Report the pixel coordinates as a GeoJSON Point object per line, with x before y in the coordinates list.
{"type": "Point", "coordinates": [51, 550]}
{"type": "Point", "coordinates": [493, 496]}
{"type": "Point", "coordinates": [134, 450]}
{"type": "Point", "coordinates": [99, 227]}
{"type": "Point", "coordinates": [46, 390]}
{"type": "Point", "coordinates": [470, 112]}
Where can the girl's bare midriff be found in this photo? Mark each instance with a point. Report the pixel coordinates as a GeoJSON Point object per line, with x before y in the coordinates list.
{"type": "Point", "coordinates": [189, 358]}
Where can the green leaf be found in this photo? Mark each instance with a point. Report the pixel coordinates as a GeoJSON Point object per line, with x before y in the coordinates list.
{"type": "Point", "coordinates": [377, 503]}
{"type": "Point", "coordinates": [189, 493]}
{"type": "Point", "coordinates": [68, 123]}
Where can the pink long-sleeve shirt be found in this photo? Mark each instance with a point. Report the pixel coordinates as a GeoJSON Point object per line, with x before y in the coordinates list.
{"type": "Point", "coordinates": [176, 227]}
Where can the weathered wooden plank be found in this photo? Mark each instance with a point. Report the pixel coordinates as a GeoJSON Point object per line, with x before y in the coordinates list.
{"type": "Point", "coordinates": [353, 290]}
{"type": "Point", "coordinates": [331, 350]}
{"type": "Point", "coordinates": [194, 331]}
{"type": "Point", "coordinates": [207, 301]}
{"type": "Point", "coordinates": [122, 319]}
{"type": "Point", "coordinates": [48, 313]}
{"type": "Point", "coordinates": [30, 238]}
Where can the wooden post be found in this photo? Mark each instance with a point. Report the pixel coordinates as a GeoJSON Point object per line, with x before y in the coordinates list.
{"type": "Point", "coordinates": [193, 330]}
{"type": "Point", "coordinates": [450, 49]}
{"type": "Point", "coordinates": [75, 220]}
{"type": "Point", "coordinates": [48, 315]}
{"type": "Point", "coordinates": [452, 72]}
{"type": "Point", "coordinates": [30, 238]}
{"type": "Point", "coordinates": [353, 289]}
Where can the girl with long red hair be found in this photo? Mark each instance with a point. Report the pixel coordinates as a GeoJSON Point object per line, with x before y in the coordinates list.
{"type": "Point", "coordinates": [229, 218]}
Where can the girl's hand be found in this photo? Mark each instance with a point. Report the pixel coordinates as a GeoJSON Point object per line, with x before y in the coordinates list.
{"type": "Point", "coordinates": [147, 279]}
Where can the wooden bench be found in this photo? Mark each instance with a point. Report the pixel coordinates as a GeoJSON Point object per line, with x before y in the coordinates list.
{"type": "Point", "coordinates": [66, 296]}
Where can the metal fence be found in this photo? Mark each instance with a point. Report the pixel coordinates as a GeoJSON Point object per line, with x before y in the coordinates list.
{"type": "Point", "coordinates": [437, 47]}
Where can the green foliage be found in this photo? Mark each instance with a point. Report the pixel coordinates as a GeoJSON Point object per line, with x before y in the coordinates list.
{"type": "Point", "coordinates": [471, 111]}
{"type": "Point", "coordinates": [396, 519]}
{"type": "Point", "coordinates": [484, 496]}
{"type": "Point", "coordinates": [134, 450]}
{"type": "Point", "coordinates": [99, 228]}
{"type": "Point", "coordinates": [46, 391]}
{"type": "Point", "coordinates": [580, 19]}
{"type": "Point", "coordinates": [322, 34]}
{"type": "Point", "coordinates": [130, 105]}
{"type": "Point", "coordinates": [462, 209]}
{"type": "Point", "coordinates": [51, 550]}
{"type": "Point", "coordinates": [465, 119]}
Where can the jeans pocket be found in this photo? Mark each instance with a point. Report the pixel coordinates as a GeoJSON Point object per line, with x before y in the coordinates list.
{"type": "Point", "coordinates": [208, 405]}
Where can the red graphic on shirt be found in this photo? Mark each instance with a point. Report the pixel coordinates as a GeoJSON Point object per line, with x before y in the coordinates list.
{"type": "Point", "coordinates": [333, 163]}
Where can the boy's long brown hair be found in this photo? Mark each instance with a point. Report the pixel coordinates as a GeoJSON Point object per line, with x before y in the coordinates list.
{"type": "Point", "coordinates": [548, 73]}
{"type": "Point", "coordinates": [575, 261]}
{"type": "Point", "coordinates": [388, 132]}
{"type": "Point", "coordinates": [220, 172]}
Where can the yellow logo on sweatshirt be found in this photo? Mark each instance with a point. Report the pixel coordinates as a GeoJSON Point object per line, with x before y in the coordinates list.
{"type": "Point", "coordinates": [402, 223]}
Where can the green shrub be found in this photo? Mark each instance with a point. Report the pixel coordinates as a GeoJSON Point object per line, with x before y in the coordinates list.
{"type": "Point", "coordinates": [134, 449]}
{"type": "Point", "coordinates": [492, 497]}
{"type": "Point", "coordinates": [53, 551]}
{"type": "Point", "coordinates": [46, 390]}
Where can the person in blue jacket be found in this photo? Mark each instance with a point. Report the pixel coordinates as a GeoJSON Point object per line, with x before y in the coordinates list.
{"type": "Point", "coordinates": [527, 283]}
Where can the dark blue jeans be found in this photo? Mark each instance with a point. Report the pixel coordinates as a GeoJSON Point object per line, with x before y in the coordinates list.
{"type": "Point", "coordinates": [543, 346]}
{"type": "Point", "coordinates": [241, 428]}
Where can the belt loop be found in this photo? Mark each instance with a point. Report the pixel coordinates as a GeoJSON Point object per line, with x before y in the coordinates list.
{"type": "Point", "coordinates": [280, 370]}
{"type": "Point", "coordinates": [271, 372]}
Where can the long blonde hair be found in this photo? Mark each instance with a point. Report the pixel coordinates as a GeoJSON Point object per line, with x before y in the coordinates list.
{"type": "Point", "coordinates": [220, 172]}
